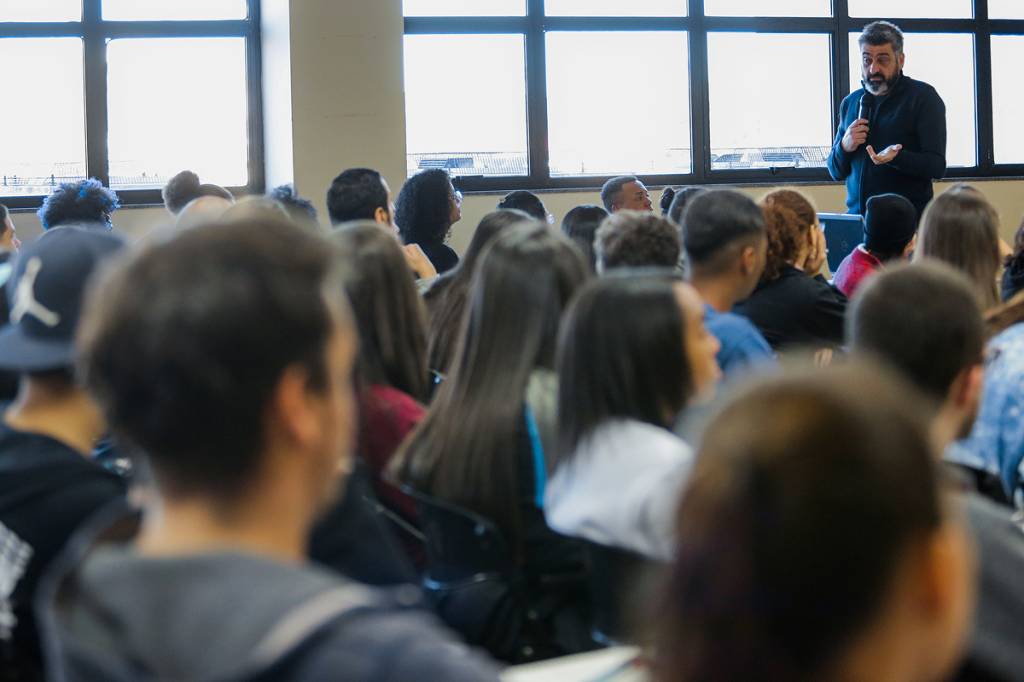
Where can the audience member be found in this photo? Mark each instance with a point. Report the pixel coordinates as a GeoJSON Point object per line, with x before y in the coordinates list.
{"type": "Point", "coordinates": [667, 195]}
{"type": "Point", "coordinates": [185, 187]}
{"type": "Point", "coordinates": [632, 354]}
{"type": "Point", "coordinates": [580, 225]}
{"type": "Point", "coordinates": [626, 193]}
{"type": "Point", "coordinates": [448, 297]}
{"type": "Point", "coordinates": [725, 242]}
{"type": "Point", "coordinates": [1013, 275]}
{"type": "Point", "coordinates": [85, 203]}
{"type": "Point", "coordinates": [816, 541]}
{"type": "Point", "coordinates": [48, 488]}
{"type": "Point", "coordinates": [680, 201]}
{"type": "Point", "coordinates": [201, 211]}
{"type": "Point", "coordinates": [253, 208]}
{"type": "Point", "coordinates": [890, 234]}
{"type": "Point", "coordinates": [631, 239]}
{"type": "Point", "coordinates": [9, 242]}
{"type": "Point", "coordinates": [301, 211]}
{"type": "Point", "coordinates": [427, 207]}
{"type": "Point", "coordinates": [259, 372]}
{"type": "Point", "coordinates": [527, 202]}
{"type": "Point", "coordinates": [793, 305]}
{"type": "Point", "coordinates": [960, 227]}
{"type": "Point", "coordinates": [9, 245]}
{"type": "Point", "coordinates": [925, 321]}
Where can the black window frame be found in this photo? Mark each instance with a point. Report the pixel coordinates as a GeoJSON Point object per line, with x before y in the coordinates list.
{"type": "Point", "coordinates": [535, 25]}
{"type": "Point", "coordinates": [95, 33]}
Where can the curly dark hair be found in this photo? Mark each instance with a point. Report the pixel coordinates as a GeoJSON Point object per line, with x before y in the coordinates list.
{"type": "Point", "coordinates": [788, 217]}
{"type": "Point", "coordinates": [185, 187]}
{"type": "Point", "coordinates": [423, 209]}
{"type": "Point", "coordinates": [636, 240]}
{"type": "Point", "coordinates": [301, 210]}
{"type": "Point", "coordinates": [85, 201]}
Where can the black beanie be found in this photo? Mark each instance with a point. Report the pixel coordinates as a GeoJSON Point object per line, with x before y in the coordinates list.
{"type": "Point", "coordinates": [889, 224]}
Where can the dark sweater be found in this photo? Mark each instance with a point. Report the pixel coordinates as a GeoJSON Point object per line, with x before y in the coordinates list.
{"type": "Point", "coordinates": [912, 115]}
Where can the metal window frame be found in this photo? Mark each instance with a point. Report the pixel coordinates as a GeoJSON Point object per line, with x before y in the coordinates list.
{"type": "Point", "coordinates": [534, 25]}
{"type": "Point", "coordinates": [95, 33]}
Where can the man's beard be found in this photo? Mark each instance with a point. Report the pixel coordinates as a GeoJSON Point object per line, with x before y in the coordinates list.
{"type": "Point", "coordinates": [882, 87]}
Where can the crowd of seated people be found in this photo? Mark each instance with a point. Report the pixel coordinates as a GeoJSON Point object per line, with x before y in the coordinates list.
{"type": "Point", "coordinates": [354, 449]}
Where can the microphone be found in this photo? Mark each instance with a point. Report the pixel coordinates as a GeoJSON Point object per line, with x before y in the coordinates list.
{"type": "Point", "coordinates": [867, 107]}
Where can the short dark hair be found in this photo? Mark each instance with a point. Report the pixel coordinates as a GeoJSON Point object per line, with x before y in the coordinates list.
{"type": "Point", "coordinates": [527, 202]}
{"type": "Point", "coordinates": [680, 200]}
{"type": "Point", "coordinates": [613, 188]}
{"type": "Point", "coordinates": [879, 33]}
{"type": "Point", "coordinates": [356, 194]}
{"type": "Point", "coordinates": [716, 220]}
{"type": "Point", "coordinates": [185, 187]}
{"type": "Point", "coordinates": [242, 302]}
{"type": "Point", "coordinates": [423, 208]}
{"type": "Point", "coordinates": [82, 202]}
{"type": "Point", "coordinates": [302, 211]}
{"type": "Point", "coordinates": [923, 319]}
{"type": "Point", "coordinates": [580, 225]}
{"type": "Point", "coordinates": [4, 215]}
{"type": "Point", "coordinates": [635, 239]}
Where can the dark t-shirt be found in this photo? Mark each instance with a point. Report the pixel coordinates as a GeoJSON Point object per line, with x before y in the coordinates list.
{"type": "Point", "coordinates": [47, 490]}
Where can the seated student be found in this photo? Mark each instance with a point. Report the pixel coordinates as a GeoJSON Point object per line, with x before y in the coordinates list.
{"type": "Point", "coordinates": [924, 321]}
{"type": "Point", "coordinates": [202, 211]}
{"type": "Point", "coordinates": [681, 200]}
{"type": "Point", "coordinates": [301, 211]}
{"type": "Point", "coordinates": [48, 486]}
{"type": "Point", "coordinates": [85, 203]}
{"type": "Point", "coordinates": [726, 245]}
{"type": "Point", "coordinates": [427, 207]}
{"type": "Point", "coordinates": [1013, 274]}
{"type": "Point", "coordinates": [793, 305]}
{"type": "Point", "coordinates": [580, 225]}
{"type": "Point", "coordinates": [527, 202]}
{"type": "Point", "coordinates": [633, 353]}
{"type": "Point", "coordinates": [480, 445]}
{"type": "Point", "coordinates": [816, 541]}
{"type": "Point", "coordinates": [630, 239]}
{"type": "Point", "coordinates": [960, 227]}
{"type": "Point", "coordinates": [185, 187]}
{"type": "Point", "coordinates": [626, 193]}
{"type": "Point", "coordinates": [9, 245]}
{"type": "Point", "coordinates": [665, 203]}
{"type": "Point", "coordinates": [363, 194]}
{"type": "Point", "coordinates": [448, 296]}
{"type": "Point", "coordinates": [890, 229]}
{"type": "Point", "coordinates": [261, 376]}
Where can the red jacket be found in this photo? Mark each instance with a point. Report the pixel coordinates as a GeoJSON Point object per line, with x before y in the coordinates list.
{"type": "Point", "coordinates": [854, 269]}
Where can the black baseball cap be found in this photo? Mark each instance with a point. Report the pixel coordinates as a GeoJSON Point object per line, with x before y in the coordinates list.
{"type": "Point", "coordinates": [45, 294]}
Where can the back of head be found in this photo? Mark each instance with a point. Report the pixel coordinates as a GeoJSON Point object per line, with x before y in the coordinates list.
{"type": "Point", "coordinates": [184, 343]}
{"type": "Point", "coordinates": [808, 496]}
{"type": "Point", "coordinates": [202, 211]}
{"type": "Point", "coordinates": [621, 355]}
{"type": "Point", "coordinates": [634, 239]}
{"type": "Point", "coordinates": [356, 194]}
{"type": "Point", "coordinates": [423, 208]}
{"type": "Point", "coordinates": [527, 202]}
{"type": "Point", "coordinates": [580, 225]}
{"type": "Point", "coordinates": [789, 216]}
{"type": "Point", "coordinates": [680, 201]}
{"type": "Point", "coordinates": [185, 187]}
{"type": "Point", "coordinates": [86, 203]}
{"type": "Point", "coordinates": [301, 211]}
{"type": "Point", "coordinates": [922, 319]}
{"type": "Point", "coordinates": [890, 223]}
{"type": "Point", "coordinates": [714, 223]}
{"type": "Point", "coordinates": [961, 228]}
{"type": "Point", "coordinates": [613, 188]}
{"type": "Point", "coordinates": [387, 308]}
{"type": "Point", "coordinates": [252, 209]}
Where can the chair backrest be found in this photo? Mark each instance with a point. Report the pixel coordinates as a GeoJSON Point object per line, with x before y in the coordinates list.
{"type": "Point", "coordinates": [617, 579]}
{"type": "Point", "coordinates": [843, 234]}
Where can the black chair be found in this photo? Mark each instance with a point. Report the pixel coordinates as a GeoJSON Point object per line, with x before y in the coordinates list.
{"type": "Point", "coordinates": [619, 582]}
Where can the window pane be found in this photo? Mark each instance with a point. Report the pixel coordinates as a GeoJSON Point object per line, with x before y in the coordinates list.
{"type": "Point", "coordinates": [924, 9]}
{"type": "Point", "coordinates": [592, 132]}
{"type": "Point", "coordinates": [40, 10]}
{"type": "Point", "coordinates": [752, 126]}
{"type": "Point", "coordinates": [465, 104]}
{"type": "Point", "coordinates": [1005, 9]}
{"type": "Point", "coordinates": [169, 10]}
{"type": "Point", "coordinates": [615, 8]}
{"type": "Point", "coordinates": [946, 62]}
{"type": "Point", "coordinates": [464, 8]}
{"type": "Point", "coordinates": [1007, 97]}
{"type": "Point", "coordinates": [42, 127]}
{"type": "Point", "coordinates": [177, 103]}
{"type": "Point", "coordinates": [759, 8]}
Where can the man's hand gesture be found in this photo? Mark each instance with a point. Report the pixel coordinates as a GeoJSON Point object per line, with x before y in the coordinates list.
{"type": "Point", "coordinates": [856, 135]}
{"type": "Point", "coordinates": [887, 155]}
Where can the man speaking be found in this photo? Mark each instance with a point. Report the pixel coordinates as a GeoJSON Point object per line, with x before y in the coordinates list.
{"type": "Point", "coordinates": [892, 132]}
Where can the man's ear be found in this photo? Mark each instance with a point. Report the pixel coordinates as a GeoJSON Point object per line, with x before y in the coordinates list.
{"type": "Point", "coordinates": [382, 216]}
{"type": "Point", "coordinates": [748, 260]}
{"type": "Point", "coordinates": [903, 59]}
{"type": "Point", "coordinates": [292, 410]}
{"type": "Point", "coordinates": [967, 387]}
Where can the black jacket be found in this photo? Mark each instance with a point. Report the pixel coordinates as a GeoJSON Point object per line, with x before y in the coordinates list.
{"type": "Point", "coordinates": [913, 115]}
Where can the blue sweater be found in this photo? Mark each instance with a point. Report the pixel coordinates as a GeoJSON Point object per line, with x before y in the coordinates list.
{"type": "Point", "coordinates": [913, 115]}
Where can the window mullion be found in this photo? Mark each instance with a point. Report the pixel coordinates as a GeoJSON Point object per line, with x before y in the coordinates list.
{"type": "Point", "coordinates": [537, 95]}
{"type": "Point", "coordinates": [700, 103]}
{"type": "Point", "coordinates": [97, 160]}
{"type": "Point", "coordinates": [983, 86]}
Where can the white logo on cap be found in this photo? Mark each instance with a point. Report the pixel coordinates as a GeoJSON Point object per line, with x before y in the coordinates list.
{"type": "Point", "coordinates": [25, 302]}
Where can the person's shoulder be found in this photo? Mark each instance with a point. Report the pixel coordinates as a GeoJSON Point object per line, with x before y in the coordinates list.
{"type": "Point", "coordinates": [922, 89]}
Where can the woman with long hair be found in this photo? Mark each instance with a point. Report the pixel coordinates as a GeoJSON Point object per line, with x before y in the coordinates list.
{"type": "Point", "coordinates": [427, 207]}
{"type": "Point", "coordinates": [816, 541]}
{"type": "Point", "coordinates": [632, 355]}
{"type": "Point", "coordinates": [793, 305]}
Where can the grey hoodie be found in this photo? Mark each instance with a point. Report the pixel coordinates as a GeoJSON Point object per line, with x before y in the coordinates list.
{"type": "Point", "coordinates": [231, 616]}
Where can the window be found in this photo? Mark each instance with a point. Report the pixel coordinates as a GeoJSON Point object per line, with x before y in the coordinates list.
{"type": "Point", "coordinates": [114, 86]}
{"type": "Point", "coordinates": [692, 91]}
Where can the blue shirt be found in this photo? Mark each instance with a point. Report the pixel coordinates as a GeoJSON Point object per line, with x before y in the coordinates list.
{"type": "Point", "coordinates": [742, 346]}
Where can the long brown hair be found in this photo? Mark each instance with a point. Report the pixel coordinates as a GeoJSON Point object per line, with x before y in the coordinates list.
{"type": "Point", "coordinates": [961, 228]}
{"type": "Point", "coordinates": [789, 216]}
